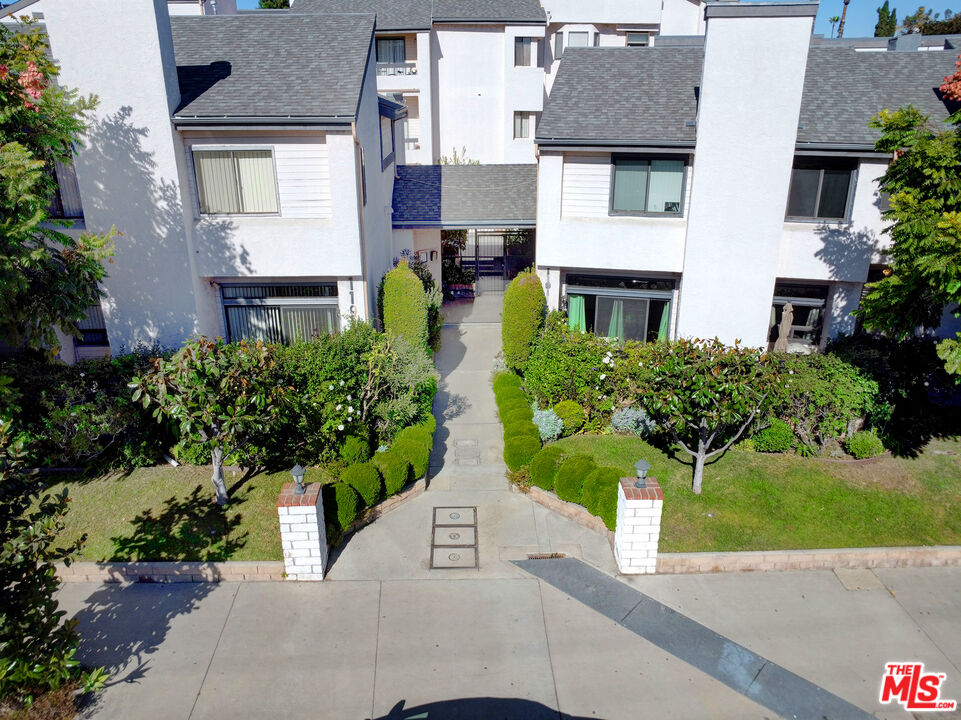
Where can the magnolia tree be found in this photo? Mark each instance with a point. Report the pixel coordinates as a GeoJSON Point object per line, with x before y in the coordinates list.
{"type": "Point", "coordinates": [220, 394]}
{"type": "Point", "coordinates": [48, 277]}
{"type": "Point", "coordinates": [706, 395]}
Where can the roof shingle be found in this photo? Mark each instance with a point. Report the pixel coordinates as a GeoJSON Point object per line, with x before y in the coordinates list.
{"type": "Point", "coordinates": [508, 11]}
{"type": "Point", "coordinates": [277, 65]}
{"type": "Point", "coordinates": [392, 15]}
{"type": "Point", "coordinates": [465, 195]}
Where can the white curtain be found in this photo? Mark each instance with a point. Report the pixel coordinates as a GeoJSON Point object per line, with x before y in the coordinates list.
{"type": "Point", "coordinates": [255, 170]}
{"type": "Point", "coordinates": [216, 182]}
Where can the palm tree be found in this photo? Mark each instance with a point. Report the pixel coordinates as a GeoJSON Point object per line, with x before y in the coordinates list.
{"type": "Point", "coordinates": [834, 21]}
{"type": "Point", "coordinates": [844, 13]}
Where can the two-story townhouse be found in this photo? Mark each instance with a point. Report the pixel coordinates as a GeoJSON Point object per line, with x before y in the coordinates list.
{"type": "Point", "coordinates": [247, 162]}
{"type": "Point", "coordinates": [695, 188]}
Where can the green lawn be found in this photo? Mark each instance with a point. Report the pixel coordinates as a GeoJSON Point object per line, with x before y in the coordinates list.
{"type": "Point", "coordinates": [755, 501]}
{"type": "Point", "coordinates": [168, 513]}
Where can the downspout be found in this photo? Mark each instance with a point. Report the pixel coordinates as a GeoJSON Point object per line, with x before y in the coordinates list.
{"type": "Point", "coordinates": [359, 166]}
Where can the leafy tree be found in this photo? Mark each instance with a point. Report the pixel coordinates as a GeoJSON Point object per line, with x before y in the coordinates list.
{"type": "Point", "coordinates": [914, 23]}
{"type": "Point", "coordinates": [223, 395]}
{"type": "Point", "coordinates": [274, 4]}
{"type": "Point", "coordinates": [924, 186]}
{"type": "Point", "coordinates": [457, 159]}
{"type": "Point", "coordinates": [950, 25]}
{"type": "Point", "coordinates": [37, 646]}
{"type": "Point", "coordinates": [834, 21]}
{"type": "Point", "coordinates": [707, 395]}
{"type": "Point", "coordinates": [887, 21]}
{"type": "Point", "coordinates": [48, 278]}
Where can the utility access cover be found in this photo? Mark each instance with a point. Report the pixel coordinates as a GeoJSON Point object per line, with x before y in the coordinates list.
{"type": "Point", "coordinates": [453, 541]}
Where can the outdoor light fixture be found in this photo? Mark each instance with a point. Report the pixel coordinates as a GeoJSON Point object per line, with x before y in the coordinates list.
{"type": "Point", "coordinates": [642, 466]}
{"type": "Point", "coordinates": [298, 474]}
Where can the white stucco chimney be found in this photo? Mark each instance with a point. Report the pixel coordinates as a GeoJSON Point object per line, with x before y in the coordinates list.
{"type": "Point", "coordinates": [755, 55]}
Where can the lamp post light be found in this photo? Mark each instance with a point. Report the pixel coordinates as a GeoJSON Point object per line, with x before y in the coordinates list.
{"type": "Point", "coordinates": [298, 474]}
{"type": "Point", "coordinates": [642, 466]}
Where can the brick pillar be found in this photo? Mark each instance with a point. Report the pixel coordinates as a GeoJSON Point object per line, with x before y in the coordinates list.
{"type": "Point", "coordinates": [303, 533]}
{"type": "Point", "coordinates": [638, 526]}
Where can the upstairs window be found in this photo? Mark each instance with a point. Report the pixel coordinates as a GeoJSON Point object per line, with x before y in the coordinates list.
{"type": "Point", "coordinates": [820, 189]}
{"type": "Point", "coordinates": [577, 39]}
{"type": "Point", "coordinates": [522, 124]}
{"type": "Point", "coordinates": [66, 200]}
{"type": "Point", "coordinates": [391, 50]}
{"type": "Point", "coordinates": [386, 142]}
{"type": "Point", "coordinates": [525, 52]}
{"type": "Point", "coordinates": [235, 181]}
{"type": "Point", "coordinates": [638, 39]}
{"type": "Point", "coordinates": [647, 185]}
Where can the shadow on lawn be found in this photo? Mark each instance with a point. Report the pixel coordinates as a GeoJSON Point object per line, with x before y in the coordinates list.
{"type": "Point", "coordinates": [191, 528]}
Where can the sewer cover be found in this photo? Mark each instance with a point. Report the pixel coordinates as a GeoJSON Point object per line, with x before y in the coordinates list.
{"type": "Point", "coordinates": [468, 452]}
{"type": "Point", "coordinates": [455, 516]}
{"type": "Point", "coordinates": [454, 536]}
{"type": "Point", "coordinates": [442, 557]}
{"type": "Point", "coordinates": [473, 461]}
{"type": "Point", "coordinates": [465, 443]}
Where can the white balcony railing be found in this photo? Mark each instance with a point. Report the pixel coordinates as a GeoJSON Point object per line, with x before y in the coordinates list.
{"type": "Point", "coordinates": [387, 69]}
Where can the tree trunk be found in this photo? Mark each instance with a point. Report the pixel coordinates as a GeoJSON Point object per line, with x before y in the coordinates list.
{"type": "Point", "coordinates": [698, 470]}
{"type": "Point", "coordinates": [217, 458]}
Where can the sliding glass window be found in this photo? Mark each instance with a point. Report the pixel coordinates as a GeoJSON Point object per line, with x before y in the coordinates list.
{"type": "Point", "coordinates": [647, 185]}
{"type": "Point", "coordinates": [235, 181]}
{"type": "Point", "coordinates": [820, 189]}
{"type": "Point", "coordinates": [280, 313]}
{"type": "Point", "coordinates": [622, 314]}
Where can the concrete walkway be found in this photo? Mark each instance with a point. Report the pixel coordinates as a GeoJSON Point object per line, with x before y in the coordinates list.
{"type": "Point", "coordinates": [387, 637]}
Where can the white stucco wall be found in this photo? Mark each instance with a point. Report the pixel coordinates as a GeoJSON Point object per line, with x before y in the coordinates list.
{"type": "Point", "coordinates": [837, 250]}
{"type": "Point", "coordinates": [129, 171]}
{"type": "Point", "coordinates": [751, 88]}
{"type": "Point", "coordinates": [682, 17]}
{"type": "Point", "coordinates": [624, 12]}
{"type": "Point", "coordinates": [523, 92]}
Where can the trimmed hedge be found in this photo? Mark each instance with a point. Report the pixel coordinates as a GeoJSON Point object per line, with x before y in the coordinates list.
{"type": "Point", "coordinates": [394, 470]}
{"type": "Point", "coordinates": [599, 494]}
{"type": "Point", "coordinates": [354, 450]}
{"type": "Point", "coordinates": [544, 467]}
{"type": "Point", "coordinates": [522, 429]}
{"type": "Point", "coordinates": [778, 437]}
{"type": "Point", "coordinates": [414, 450]}
{"type": "Point", "coordinates": [572, 415]}
{"type": "Point", "coordinates": [504, 381]}
{"type": "Point", "coordinates": [519, 450]}
{"type": "Point", "coordinates": [405, 305]}
{"type": "Point", "coordinates": [522, 318]}
{"type": "Point", "coordinates": [365, 479]}
{"type": "Point", "coordinates": [340, 505]}
{"type": "Point", "coordinates": [509, 395]}
{"type": "Point", "coordinates": [514, 406]}
{"type": "Point", "coordinates": [569, 482]}
{"type": "Point", "coordinates": [864, 444]}
{"type": "Point", "coordinates": [520, 415]}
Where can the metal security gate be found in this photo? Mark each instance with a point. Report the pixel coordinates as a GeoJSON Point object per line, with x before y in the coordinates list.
{"type": "Point", "coordinates": [494, 258]}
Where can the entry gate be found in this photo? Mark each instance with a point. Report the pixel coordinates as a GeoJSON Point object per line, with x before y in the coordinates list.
{"type": "Point", "coordinates": [494, 262]}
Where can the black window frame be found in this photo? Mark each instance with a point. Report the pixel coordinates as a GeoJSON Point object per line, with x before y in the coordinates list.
{"type": "Point", "coordinates": [627, 38]}
{"type": "Point", "coordinates": [393, 39]}
{"type": "Point", "coordinates": [292, 295]}
{"type": "Point", "coordinates": [685, 159]}
{"type": "Point", "coordinates": [823, 164]}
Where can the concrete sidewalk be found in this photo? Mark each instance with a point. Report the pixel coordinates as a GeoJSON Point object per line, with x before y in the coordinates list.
{"type": "Point", "coordinates": [356, 649]}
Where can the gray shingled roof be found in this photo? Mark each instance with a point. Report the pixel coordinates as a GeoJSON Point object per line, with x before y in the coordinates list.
{"type": "Point", "coordinates": [277, 65]}
{"type": "Point", "coordinates": [624, 95]}
{"type": "Point", "coordinates": [844, 89]}
{"type": "Point", "coordinates": [392, 15]}
{"type": "Point", "coordinates": [509, 11]}
{"type": "Point", "coordinates": [646, 96]}
{"type": "Point", "coordinates": [465, 196]}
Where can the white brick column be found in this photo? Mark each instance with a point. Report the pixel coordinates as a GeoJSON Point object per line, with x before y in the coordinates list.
{"type": "Point", "coordinates": [303, 532]}
{"type": "Point", "coordinates": [638, 527]}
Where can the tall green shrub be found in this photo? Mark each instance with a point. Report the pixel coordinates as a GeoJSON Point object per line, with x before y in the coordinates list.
{"type": "Point", "coordinates": [394, 469]}
{"type": "Point", "coordinates": [599, 494]}
{"type": "Point", "coordinates": [544, 467]}
{"type": "Point", "coordinates": [522, 319]}
{"type": "Point", "coordinates": [405, 305]}
{"type": "Point", "coordinates": [340, 505]}
{"type": "Point", "coordinates": [365, 479]}
{"type": "Point", "coordinates": [572, 473]}
{"type": "Point", "coordinates": [519, 450]}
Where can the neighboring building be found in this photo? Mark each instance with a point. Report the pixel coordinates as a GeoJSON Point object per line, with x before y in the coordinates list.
{"type": "Point", "coordinates": [248, 164]}
{"type": "Point", "coordinates": [693, 188]}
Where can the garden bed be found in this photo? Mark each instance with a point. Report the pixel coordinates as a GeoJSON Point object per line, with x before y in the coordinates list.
{"type": "Point", "coordinates": [757, 501]}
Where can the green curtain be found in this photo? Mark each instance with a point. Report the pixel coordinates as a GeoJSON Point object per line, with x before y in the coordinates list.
{"type": "Point", "coordinates": [616, 327]}
{"type": "Point", "coordinates": [575, 313]}
{"type": "Point", "coordinates": [665, 322]}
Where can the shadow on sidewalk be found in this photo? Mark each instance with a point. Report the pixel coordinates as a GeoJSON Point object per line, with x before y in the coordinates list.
{"type": "Point", "coordinates": [479, 708]}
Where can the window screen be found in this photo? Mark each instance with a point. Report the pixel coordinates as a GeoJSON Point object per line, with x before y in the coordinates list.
{"type": "Point", "coordinates": [647, 185]}
{"type": "Point", "coordinates": [235, 181]}
{"type": "Point", "coordinates": [819, 189]}
{"type": "Point", "coordinates": [577, 39]}
{"type": "Point", "coordinates": [638, 39]}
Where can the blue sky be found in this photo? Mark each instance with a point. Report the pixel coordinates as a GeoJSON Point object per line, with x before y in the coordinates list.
{"type": "Point", "coordinates": [861, 18]}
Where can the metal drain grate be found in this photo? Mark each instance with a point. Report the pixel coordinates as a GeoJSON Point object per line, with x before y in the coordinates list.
{"type": "Point", "coordinates": [453, 538]}
{"type": "Point", "coordinates": [546, 556]}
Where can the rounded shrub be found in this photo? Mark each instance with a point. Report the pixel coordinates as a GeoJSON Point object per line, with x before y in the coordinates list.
{"type": "Point", "coordinates": [569, 482]}
{"type": "Point", "coordinates": [394, 469]}
{"type": "Point", "coordinates": [503, 381]}
{"type": "Point", "coordinates": [864, 444]}
{"type": "Point", "coordinates": [508, 409]}
{"type": "Point", "coordinates": [429, 422]}
{"type": "Point", "coordinates": [520, 450]}
{"type": "Point", "coordinates": [509, 396]}
{"type": "Point", "coordinates": [521, 414]}
{"type": "Point", "coordinates": [405, 305]}
{"type": "Point", "coordinates": [414, 452]}
{"type": "Point", "coordinates": [599, 494]}
{"type": "Point", "coordinates": [778, 437]}
{"type": "Point", "coordinates": [522, 318]}
{"type": "Point", "coordinates": [354, 450]}
{"type": "Point", "coordinates": [419, 434]}
{"type": "Point", "coordinates": [340, 505]}
{"type": "Point", "coordinates": [524, 428]}
{"type": "Point", "coordinates": [572, 415]}
{"type": "Point", "coordinates": [544, 467]}
{"type": "Point", "coordinates": [365, 479]}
